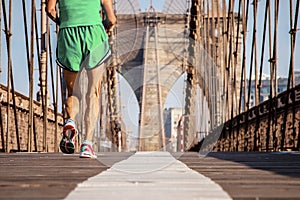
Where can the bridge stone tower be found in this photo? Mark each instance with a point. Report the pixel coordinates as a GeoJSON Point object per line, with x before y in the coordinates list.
{"type": "Point", "coordinates": [155, 49]}
{"type": "Point", "coordinates": [152, 65]}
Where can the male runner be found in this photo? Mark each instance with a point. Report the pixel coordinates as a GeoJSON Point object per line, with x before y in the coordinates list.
{"type": "Point", "coordinates": [82, 43]}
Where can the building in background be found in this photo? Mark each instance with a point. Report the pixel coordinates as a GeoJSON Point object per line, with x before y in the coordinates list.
{"type": "Point", "coordinates": [265, 87]}
{"type": "Point", "coordinates": [171, 119]}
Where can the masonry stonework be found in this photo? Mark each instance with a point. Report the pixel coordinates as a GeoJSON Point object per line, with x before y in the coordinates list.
{"type": "Point", "coordinates": [271, 126]}
{"type": "Point", "coordinates": [18, 140]}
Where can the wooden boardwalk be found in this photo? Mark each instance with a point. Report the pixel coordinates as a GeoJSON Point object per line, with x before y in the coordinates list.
{"type": "Point", "coordinates": [251, 175]}
{"type": "Point", "coordinates": [241, 175]}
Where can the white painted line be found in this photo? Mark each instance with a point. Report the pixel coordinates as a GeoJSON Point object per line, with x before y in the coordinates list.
{"type": "Point", "coordinates": [149, 175]}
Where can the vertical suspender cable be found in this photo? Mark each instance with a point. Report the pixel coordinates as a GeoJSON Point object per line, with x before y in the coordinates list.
{"type": "Point", "coordinates": [188, 18]}
{"type": "Point", "coordinates": [54, 89]}
{"type": "Point", "coordinates": [229, 68]}
{"type": "Point", "coordinates": [221, 18]}
{"type": "Point", "coordinates": [8, 80]}
{"type": "Point", "coordinates": [272, 93]}
{"type": "Point", "coordinates": [212, 76]}
{"type": "Point", "coordinates": [207, 71]}
{"type": "Point", "coordinates": [231, 64]}
{"type": "Point", "coordinates": [122, 143]}
{"type": "Point", "coordinates": [44, 70]}
{"type": "Point", "coordinates": [235, 53]}
{"type": "Point", "coordinates": [228, 60]}
{"type": "Point", "coordinates": [270, 51]}
{"type": "Point", "coordinates": [291, 81]}
{"type": "Point", "coordinates": [263, 45]}
{"type": "Point", "coordinates": [232, 67]}
{"type": "Point", "coordinates": [26, 34]}
{"type": "Point", "coordinates": [1, 45]}
{"type": "Point", "coordinates": [245, 75]}
{"type": "Point", "coordinates": [293, 31]}
{"type": "Point", "coordinates": [225, 40]}
{"type": "Point", "coordinates": [58, 75]}
{"type": "Point", "coordinates": [290, 77]}
{"type": "Point", "coordinates": [267, 7]}
{"type": "Point", "coordinates": [218, 61]}
{"type": "Point", "coordinates": [40, 69]}
{"type": "Point", "coordinates": [252, 52]}
{"type": "Point", "coordinates": [244, 54]}
{"type": "Point", "coordinates": [246, 144]}
{"type": "Point", "coordinates": [243, 72]}
{"type": "Point", "coordinates": [28, 59]}
{"type": "Point", "coordinates": [294, 113]}
{"type": "Point", "coordinates": [12, 79]}
{"type": "Point", "coordinates": [242, 80]}
{"type": "Point", "coordinates": [1, 121]}
{"type": "Point", "coordinates": [257, 97]}
{"type": "Point", "coordinates": [274, 58]}
{"type": "Point", "coordinates": [8, 36]}
{"type": "Point", "coordinates": [31, 112]}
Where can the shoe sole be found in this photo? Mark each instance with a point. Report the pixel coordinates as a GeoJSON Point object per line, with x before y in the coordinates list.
{"type": "Point", "coordinates": [66, 145]}
{"type": "Point", "coordinates": [87, 156]}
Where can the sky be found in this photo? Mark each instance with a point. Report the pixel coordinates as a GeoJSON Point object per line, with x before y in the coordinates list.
{"type": "Point", "coordinates": [20, 63]}
{"type": "Point", "coordinates": [19, 60]}
{"type": "Point", "coordinates": [19, 57]}
{"type": "Point", "coordinates": [157, 4]}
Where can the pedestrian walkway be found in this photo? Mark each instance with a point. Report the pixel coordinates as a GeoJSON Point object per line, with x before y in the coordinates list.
{"type": "Point", "coordinates": [155, 175]}
{"type": "Point", "coordinates": [251, 175]}
{"type": "Point", "coordinates": [149, 175]}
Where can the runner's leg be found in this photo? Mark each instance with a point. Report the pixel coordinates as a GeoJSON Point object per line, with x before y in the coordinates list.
{"type": "Point", "coordinates": [67, 143]}
{"type": "Point", "coordinates": [72, 103]}
{"type": "Point", "coordinates": [92, 100]}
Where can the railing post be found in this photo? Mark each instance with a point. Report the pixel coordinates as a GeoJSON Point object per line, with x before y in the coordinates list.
{"type": "Point", "coordinates": [43, 72]}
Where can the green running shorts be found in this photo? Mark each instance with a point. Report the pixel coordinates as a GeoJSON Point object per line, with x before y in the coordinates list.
{"type": "Point", "coordinates": [82, 47]}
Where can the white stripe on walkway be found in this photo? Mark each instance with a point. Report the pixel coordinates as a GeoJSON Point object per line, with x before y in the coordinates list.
{"type": "Point", "coordinates": [149, 175]}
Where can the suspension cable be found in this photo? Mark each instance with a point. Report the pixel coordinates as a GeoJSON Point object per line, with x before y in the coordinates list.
{"type": "Point", "coordinates": [263, 44]}
{"type": "Point", "coordinates": [293, 31]}
{"type": "Point", "coordinates": [243, 77]}
{"type": "Point", "coordinates": [54, 89]}
{"type": "Point", "coordinates": [1, 121]}
{"type": "Point", "coordinates": [10, 80]}
{"type": "Point", "coordinates": [235, 53]}
{"type": "Point", "coordinates": [291, 75]}
{"type": "Point", "coordinates": [26, 34]}
{"type": "Point", "coordinates": [185, 66]}
{"type": "Point", "coordinates": [40, 72]}
{"type": "Point", "coordinates": [267, 8]}
{"type": "Point", "coordinates": [274, 56]}
{"type": "Point", "coordinates": [231, 63]}
{"type": "Point", "coordinates": [253, 50]}
{"type": "Point", "coordinates": [51, 66]}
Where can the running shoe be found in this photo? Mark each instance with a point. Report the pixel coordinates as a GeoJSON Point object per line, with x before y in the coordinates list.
{"type": "Point", "coordinates": [86, 150]}
{"type": "Point", "coordinates": [67, 143]}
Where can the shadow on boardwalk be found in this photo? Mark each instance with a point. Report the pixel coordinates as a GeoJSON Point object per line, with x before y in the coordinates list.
{"type": "Point", "coordinates": [250, 175]}
{"type": "Point", "coordinates": [282, 163]}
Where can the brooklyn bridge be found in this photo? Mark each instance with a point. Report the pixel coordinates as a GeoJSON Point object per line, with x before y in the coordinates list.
{"type": "Point", "coordinates": [200, 100]}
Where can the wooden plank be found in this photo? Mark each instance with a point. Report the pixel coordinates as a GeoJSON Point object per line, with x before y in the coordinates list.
{"type": "Point", "coordinates": [251, 175]}
{"type": "Point", "coordinates": [242, 175]}
{"type": "Point", "coordinates": [47, 175]}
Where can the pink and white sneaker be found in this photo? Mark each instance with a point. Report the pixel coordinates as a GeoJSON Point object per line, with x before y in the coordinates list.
{"type": "Point", "coordinates": [86, 150]}
{"type": "Point", "coordinates": [67, 143]}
